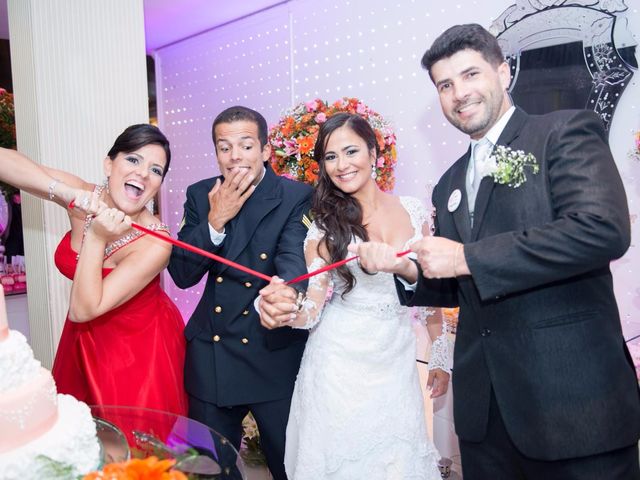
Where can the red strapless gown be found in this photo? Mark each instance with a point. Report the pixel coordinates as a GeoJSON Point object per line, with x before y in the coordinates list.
{"type": "Point", "coordinates": [130, 356]}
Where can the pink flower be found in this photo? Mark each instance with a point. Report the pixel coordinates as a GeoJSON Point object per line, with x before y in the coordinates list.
{"type": "Point", "coordinates": [361, 109]}
{"type": "Point", "coordinates": [312, 106]}
{"type": "Point", "coordinates": [321, 118]}
{"type": "Point", "coordinates": [380, 162]}
{"type": "Point", "coordinates": [288, 175]}
{"type": "Point", "coordinates": [290, 147]}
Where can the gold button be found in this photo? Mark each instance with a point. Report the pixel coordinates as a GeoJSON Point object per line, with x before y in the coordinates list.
{"type": "Point", "coordinates": [246, 312]}
{"type": "Point", "coordinates": [247, 284]}
{"type": "Point", "coordinates": [216, 338]}
{"type": "Point", "coordinates": [218, 309]}
{"type": "Point", "coordinates": [263, 256]}
{"type": "Point", "coordinates": [245, 341]}
{"type": "Point", "coordinates": [219, 279]}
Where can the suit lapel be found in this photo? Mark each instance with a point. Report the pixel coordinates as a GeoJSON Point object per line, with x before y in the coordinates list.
{"type": "Point", "coordinates": [509, 134]}
{"type": "Point", "coordinates": [264, 199]}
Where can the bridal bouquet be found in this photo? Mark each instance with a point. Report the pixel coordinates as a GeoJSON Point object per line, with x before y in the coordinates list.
{"type": "Point", "coordinates": [293, 139]}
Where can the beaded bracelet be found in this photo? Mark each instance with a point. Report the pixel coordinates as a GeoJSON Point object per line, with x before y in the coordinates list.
{"type": "Point", "coordinates": [52, 187]}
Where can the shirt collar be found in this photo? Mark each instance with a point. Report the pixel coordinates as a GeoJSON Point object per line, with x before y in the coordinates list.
{"type": "Point", "coordinates": [494, 133]}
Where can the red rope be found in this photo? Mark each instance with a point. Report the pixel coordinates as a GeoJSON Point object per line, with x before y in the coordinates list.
{"type": "Point", "coordinates": [237, 266]}
{"type": "Point", "coordinates": [199, 251]}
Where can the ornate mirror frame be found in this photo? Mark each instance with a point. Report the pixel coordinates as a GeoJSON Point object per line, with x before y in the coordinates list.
{"type": "Point", "coordinates": [595, 29]}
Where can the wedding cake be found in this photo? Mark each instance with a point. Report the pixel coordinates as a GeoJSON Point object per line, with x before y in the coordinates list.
{"type": "Point", "coordinates": [41, 431]}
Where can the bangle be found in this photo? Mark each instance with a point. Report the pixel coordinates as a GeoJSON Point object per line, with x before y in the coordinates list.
{"type": "Point", "coordinates": [52, 187]}
{"type": "Point", "coordinates": [455, 259]}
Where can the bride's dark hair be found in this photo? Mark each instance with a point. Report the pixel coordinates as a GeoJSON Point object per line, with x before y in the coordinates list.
{"type": "Point", "coordinates": [338, 214]}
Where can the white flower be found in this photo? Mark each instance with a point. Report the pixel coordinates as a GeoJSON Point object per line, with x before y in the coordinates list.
{"type": "Point", "coordinates": [507, 167]}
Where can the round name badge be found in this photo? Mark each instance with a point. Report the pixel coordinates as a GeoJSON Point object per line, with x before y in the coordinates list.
{"type": "Point", "coordinates": [454, 200]}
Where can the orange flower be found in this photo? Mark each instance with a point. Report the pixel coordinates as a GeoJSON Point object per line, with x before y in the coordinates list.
{"type": "Point", "coordinates": [288, 127]}
{"type": "Point", "coordinates": [138, 469]}
{"type": "Point", "coordinates": [305, 144]}
{"type": "Point", "coordinates": [310, 176]}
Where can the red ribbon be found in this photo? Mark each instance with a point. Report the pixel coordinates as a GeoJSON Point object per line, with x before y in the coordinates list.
{"type": "Point", "coordinates": [242, 268]}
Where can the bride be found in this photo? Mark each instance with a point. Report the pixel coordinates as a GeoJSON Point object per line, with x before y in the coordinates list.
{"type": "Point", "coordinates": [357, 409]}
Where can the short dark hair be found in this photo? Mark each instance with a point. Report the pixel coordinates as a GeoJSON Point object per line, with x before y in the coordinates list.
{"type": "Point", "coordinates": [137, 136]}
{"type": "Point", "coordinates": [239, 113]}
{"type": "Point", "coordinates": [462, 37]}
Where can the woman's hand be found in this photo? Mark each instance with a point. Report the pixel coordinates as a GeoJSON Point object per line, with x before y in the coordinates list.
{"type": "Point", "coordinates": [277, 304]}
{"type": "Point", "coordinates": [438, 382]}
{"type": "Point", "coordinates": [110, 224]}
{"type": "Point", "coordinates": [82, 200]}
{"type": "Point", "coordinates": [379, 257]}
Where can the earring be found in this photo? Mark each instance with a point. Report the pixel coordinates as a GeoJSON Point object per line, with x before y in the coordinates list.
{"type": "Point", "coordinates": [105, 185]}
{"type": "Point", "coordinates": [374, 174]}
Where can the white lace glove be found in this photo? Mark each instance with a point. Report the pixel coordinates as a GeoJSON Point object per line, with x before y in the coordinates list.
{"type": "Point", "coordinates": [441, 356]}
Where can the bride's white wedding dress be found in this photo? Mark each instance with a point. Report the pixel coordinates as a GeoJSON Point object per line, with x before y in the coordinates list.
{"type": "Point", "coordinates": [357, 410]}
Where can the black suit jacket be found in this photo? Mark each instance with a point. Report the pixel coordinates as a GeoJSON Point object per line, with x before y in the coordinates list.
{"type": "Point", "coordinates": [538, 318]}
{"type": "Point", "coordinates": [231, 359]}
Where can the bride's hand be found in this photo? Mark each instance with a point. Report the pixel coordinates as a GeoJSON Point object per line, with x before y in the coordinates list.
{"type": "Point", "coordinates": [277, 305]}
{"type": "Point", "coordinates": [438, 382]}
{"type": "Point", "coordinates": [379, 257]}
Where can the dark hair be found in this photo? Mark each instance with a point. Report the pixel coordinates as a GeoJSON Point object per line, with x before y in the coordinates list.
{"type": "Point", "coordinates": [338, 214]}
{"type": "Point", "coordinates": [138, 136]}
{"type": "Point", "coordinates": [462, 37]}
{"type": "Point", "coordinates": [240, 113]}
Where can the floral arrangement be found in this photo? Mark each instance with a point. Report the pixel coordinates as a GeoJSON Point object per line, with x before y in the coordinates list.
{"type": "Point", "coordinates": [251, 450]}
{"type": "Point", "coordinates": [507, 167]}
{"type": "Point", "coordinates": [149, 468]}
{"type": "Point", "coordinates": [450, 318]}
{"type": "Point", "coordinates": [635, 153]}
{"type": "Point", "coordinates": [293, 138]}
{"type": "Point", "coordinates": [7, 133]}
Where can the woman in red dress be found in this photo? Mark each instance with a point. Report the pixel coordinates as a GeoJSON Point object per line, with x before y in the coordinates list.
{"type": "Point", "coordinates": [122, 342]}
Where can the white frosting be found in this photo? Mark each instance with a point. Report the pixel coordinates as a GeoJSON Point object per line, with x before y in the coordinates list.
{"type": "Point", "coordinates": [16, 362]}
{"type": "Point", "coordinates": [72, 441]}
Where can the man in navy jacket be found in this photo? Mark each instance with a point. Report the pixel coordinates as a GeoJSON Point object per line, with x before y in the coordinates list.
{"type": "Point", "coordinates": [251, 216]}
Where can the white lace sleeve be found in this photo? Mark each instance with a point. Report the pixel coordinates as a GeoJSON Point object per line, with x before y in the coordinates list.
{"type": "Point", "coordinates": [319, 285]}
{"type": "Point", "coordinates": [441, 351]}
{"type": "Point", "coordinates": [417, 212]}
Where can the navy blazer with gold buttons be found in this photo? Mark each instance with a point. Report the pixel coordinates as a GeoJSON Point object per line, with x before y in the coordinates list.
{"type": "Point", "coordinates": [231, 359]}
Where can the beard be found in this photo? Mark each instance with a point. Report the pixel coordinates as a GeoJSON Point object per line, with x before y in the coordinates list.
{"type": "Point", "coordinates": [478, 126]}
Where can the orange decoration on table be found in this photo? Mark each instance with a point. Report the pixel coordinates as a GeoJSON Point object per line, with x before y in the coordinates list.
{"type": "Point", "coordinates": [138, 469]}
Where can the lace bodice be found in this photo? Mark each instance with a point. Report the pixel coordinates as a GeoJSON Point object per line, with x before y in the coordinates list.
{"type": "Point", "coordinates": [372, 293]}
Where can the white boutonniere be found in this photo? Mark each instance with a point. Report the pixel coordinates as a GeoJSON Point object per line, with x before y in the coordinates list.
{"type": "Point", "coordinates": [507, 166]}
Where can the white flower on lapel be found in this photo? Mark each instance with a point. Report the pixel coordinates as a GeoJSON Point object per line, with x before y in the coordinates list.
{"type": "Point", "coordinates": [507, 166]}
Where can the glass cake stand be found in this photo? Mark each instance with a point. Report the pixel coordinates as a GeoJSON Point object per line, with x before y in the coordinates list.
{"type": "Point", "coordinates": [200, 452]}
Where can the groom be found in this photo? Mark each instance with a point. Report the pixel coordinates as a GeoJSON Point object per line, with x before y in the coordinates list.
{"type": "Point", "coordinates": [544, 384]}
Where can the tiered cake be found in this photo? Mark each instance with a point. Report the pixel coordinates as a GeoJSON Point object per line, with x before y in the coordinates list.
{"type": "Point", "coordinates": [38, 427]}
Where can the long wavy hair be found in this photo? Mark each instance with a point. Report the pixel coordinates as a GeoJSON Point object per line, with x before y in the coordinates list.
{"type": "Point", "coordinates": [338, 214]}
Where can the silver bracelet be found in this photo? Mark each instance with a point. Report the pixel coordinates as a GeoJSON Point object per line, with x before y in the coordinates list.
{"type": "Point", "coordinates": [52, 187]}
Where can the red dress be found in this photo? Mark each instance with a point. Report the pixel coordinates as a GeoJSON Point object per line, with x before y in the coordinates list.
{"type": "Point", "coordinates": [132, 355]}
